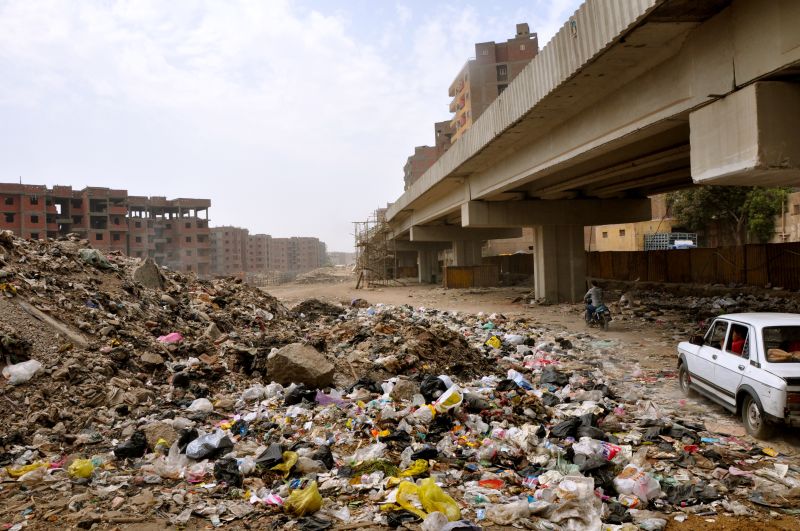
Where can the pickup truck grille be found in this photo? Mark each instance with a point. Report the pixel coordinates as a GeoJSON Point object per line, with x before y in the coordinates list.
{"type": "Point", "coordinates": [793, 382]}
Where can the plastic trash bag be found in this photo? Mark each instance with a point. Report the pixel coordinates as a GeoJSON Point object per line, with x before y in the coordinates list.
{"type": "Point", "coordinates": [551, 376]}
{"type": "Point", "coordinates": [201, 404]}
{"type": "Point", "coordinates": [289, 460]}
{"type": "Point", "coordinates": [519, 379]}
{"type": "Point", "coordinates": [271, 456]}
{"type": "Point", "coordinates": [432, 388]}
{"type": "Point", "coordinates": [227, 470]}
{"type": "Point", "coordinates": [634, 480]}
{"type": "Point", "coordinates": [173, 337]}
{"type": "Point", "coordinates": [136, 446]}
{"type": "Point", "coordinates": [81, 468]}
{"type": "Point", "coordinates": [208, 444]}
{"type": "Point", "coordinates": [368, 453]}
{"type": "Point", "coordinates": [304, 501]}
{"type": "Point", "coordinates": [509, 513]}
{"type": "Point", "coordinates": [21, 372]}
{"type": "Point", "coordinates": [95, 258]}
{"type": "Point", "coordinates": [567, 428]}
{"type": "Point", "coordinates": [171, 466]}
{"type": "Point", "coordinates": [20, 471]}
{"type": "Point", "coordinates": [419, 467]}
{"type": "Point", "coordinates": [494, 342]}
{"type": "Point", "coordinates": [433, 499]}
{"type": "Point", "coordinates": [405, 490]}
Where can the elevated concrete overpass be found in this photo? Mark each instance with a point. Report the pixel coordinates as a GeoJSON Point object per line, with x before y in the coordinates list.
{"type": "Point", "coordinates": [631, 98]}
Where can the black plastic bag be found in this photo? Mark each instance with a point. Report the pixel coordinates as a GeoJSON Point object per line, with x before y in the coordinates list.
{"type": "Point", "coordinates": [227, 470]}
{"type": "Point", "coordinates": [617, 513]}
{"type": "Point", "coordinates": [591, 431]}
{"type": "Point", "coordinates": [591, 462]}
{"type": "Point", "coordinates": [550, 399]}
{"type": "Point", "coordinates": [567, 428]}
{"type": "Point", "coordinates": [187, 436]}
{"type": "Point", "coordinates": [506, 384]}
{"type": "Point", "coordinates": [367, 383]}
{"type": "Point", "coordinates": [475, 403]}
{"type": "Point", "coordinates": [552, 376]}
{"type": "Point", "coordinates": [298, 394]}
{"type": "Point", "coordinates": [432, 388]}
{"type": "Point", "coordinates": [136, 446]}
{"type": "Point", "coordinates": [270, 457]}
{"type": "Point", "coordinates": [324, 455]}
{"type": "Point", "coordinates": [425, 453]}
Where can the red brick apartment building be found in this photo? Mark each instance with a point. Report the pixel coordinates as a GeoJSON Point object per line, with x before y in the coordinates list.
{"type": "Point", "coordinates": [173, 232]}
{"type": "Point", "coordinates": [235, 252]}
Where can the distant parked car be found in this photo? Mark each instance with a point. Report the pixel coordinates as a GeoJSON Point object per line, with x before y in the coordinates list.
{"type": "Point", "coordinates": [750, 364]}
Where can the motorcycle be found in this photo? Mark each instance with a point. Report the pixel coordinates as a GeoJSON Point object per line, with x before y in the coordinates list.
{"type": "Point", "coordinates": [600, 317]}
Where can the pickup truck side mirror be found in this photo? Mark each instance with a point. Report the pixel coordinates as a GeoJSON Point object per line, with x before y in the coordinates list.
{"type": "Point", "coordinates": [697, 340]}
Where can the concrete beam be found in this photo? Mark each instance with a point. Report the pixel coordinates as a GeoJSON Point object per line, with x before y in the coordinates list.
{"type": "Point", "coordinates": [402, 245]}
{"type": "Point", "coordinates": [581, 212]}
{"type": "Point", "coordinates": [748, 137]}
{"type": "Point", "coordinates": [442, 233]}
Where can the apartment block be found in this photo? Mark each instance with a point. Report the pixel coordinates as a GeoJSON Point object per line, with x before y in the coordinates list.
{"type": "Point", "coordinates": [486, 76]}
{"type": "Point", "coordinates": [425, 156]}
{"type": "Point", "coordinates": [236, 252]}
{"type": "Point", "coordinates": [172, 232]}
{"type": "Point", "coordinates": [229, 251]}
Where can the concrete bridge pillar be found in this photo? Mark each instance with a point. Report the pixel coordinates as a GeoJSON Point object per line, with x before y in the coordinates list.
{"type": "Point", "coordinates": [467, 252]}
{"type": "Point", "coordinates": [428, 266]}
{"type": "Point", "coordinates": [559, 263]}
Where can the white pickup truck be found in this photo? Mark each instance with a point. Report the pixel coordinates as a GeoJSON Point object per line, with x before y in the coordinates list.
{"type": "Point", "coordinates": [750, 364]}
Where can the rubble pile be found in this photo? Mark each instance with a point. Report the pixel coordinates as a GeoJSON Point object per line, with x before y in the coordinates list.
{"type": "Point", "coordinates": [325, 275]}
{"type": "Point", "coordinates": [156, 397]}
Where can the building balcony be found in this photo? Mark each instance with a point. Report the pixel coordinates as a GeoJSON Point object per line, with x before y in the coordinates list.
{"type": "Point", "coordinates": [118, 210]}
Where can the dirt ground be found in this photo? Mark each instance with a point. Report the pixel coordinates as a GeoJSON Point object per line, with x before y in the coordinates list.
{"type": "Point", "coordinates": [641, 356]}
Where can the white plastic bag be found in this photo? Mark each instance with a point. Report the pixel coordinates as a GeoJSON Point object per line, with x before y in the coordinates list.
{"type": "Point", "coordinates": [21, 372]}
{"type": "Point", "coordinates": [634, 480]}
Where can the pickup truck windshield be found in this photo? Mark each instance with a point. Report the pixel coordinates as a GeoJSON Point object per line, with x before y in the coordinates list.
{"type": "Point", "coordinates": [782, 344]}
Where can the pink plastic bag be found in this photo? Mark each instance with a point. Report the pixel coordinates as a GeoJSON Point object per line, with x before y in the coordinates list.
{"type": "Point", "coordinates": [174, 337]}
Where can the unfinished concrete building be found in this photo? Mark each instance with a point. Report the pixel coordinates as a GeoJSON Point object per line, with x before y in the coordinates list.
{"type": "Point", "coordinates": [174, 232]}
{"type": "Point", "coordinates": [237, 252]}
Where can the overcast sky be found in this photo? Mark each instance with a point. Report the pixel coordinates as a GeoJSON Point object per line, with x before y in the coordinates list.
{"type": "Point", "coordinates": [294, 118]}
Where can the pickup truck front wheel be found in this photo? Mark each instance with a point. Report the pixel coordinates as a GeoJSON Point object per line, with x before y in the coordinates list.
{"type": "Point", "coordinates": [754, 420]}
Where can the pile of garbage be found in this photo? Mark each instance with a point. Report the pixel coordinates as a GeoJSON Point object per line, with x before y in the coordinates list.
{"type": "Point", "coordinates": [144, 395]}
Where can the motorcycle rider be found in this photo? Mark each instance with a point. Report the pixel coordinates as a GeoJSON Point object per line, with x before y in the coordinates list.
{"type": "Point", "coordinates": [593, 299]}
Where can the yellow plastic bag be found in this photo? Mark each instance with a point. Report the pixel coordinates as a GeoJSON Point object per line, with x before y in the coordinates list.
{"type": "Point", "coordinates": [22, 470]}
{"type": "Point", "coordinates": [494, 342]}
{"type": "Point", "coordinates": [81, 468]}
{"type": "Point", "coordinates": [418, 467]}
{"type": "Point", "coordinates": [289, 460]}
{"type": "Point", "coordinates": [303, 501]}
{"type": "Point", "coordinates": [449, 399]}
{"type": "Point", "coordinates": [434, 499]}
{"type": "Point", "coordinates": [404, 491]}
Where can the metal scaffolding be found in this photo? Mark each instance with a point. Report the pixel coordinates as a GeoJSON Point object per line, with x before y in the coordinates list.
{"type": "Point", "coordinates": [376, 259]}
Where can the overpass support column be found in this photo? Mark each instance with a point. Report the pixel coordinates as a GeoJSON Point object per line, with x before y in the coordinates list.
{"type": "Point", "coordinates": [467, 252]}
{"type": "Point", "coordinates": [427, 266]}
{"type": "Point", "coordinates": [559, 263]}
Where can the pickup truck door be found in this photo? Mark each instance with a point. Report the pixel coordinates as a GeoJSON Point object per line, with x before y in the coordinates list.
{"type": "Point", "coordinates": [702, 374]}
{"type": "Point", "coordinates": [731, 367]}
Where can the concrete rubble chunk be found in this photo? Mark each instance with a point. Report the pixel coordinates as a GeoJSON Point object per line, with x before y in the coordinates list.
{"type": "Point", "coordinates": [149, 275]}
{"type": "Point", "coordinates": [298, 363]}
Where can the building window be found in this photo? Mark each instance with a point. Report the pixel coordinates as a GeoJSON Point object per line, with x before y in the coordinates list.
{"type": "Point", "coordinates": [98, 236]}
{"type": "Point", "coordinates": [797, 209]}
{"type": "Point", "coordinates": [138, 239]}
{"type": "Point", "coordinates": [188, 239]}
{"type": "Point", "coordinates": [485, 51]}
{"type": "Point", "coordinates": [34, 219]}
{"type": "Point", "coordinates": [169, 240]}
{"type": "Point", "coordinates": [502, 71]}
{"type": "Point", "coordinates": [622, 232]}
{"type": "Point", "coordinates": [116, 221]}
{"type": "Point", "coordinates": [189, 225]}
{"type": "Point", "coordinates": [115, 237]}
{"type": "Point", "coordinates": [168, 225]}
{"type": "Point", "coordinates": [9, 200]}
{"type": "Point", "coordinates": [605, 234]}
{"type": "Point", "coordinates": [9, 218]}
{"type": "Point", "coordinates": [138, 224]}
{"type": "Point", "coordinates": [522, 47]}
{"type": "Point", "coordinates": [34, 235]}
{"type": "Point", "coordinates": [188, 252]}
{"type": "Point", "coordinates": [501, 88]}
{"type": "Point", "coordinates": [34, 201]}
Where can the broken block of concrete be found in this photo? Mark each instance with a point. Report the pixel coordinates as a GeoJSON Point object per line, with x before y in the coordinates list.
{"type": "Point", "coordinates": [148, 275]}
{"type": "Point", "coordinates": [299, 363]}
